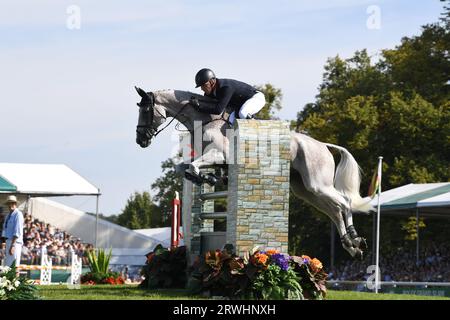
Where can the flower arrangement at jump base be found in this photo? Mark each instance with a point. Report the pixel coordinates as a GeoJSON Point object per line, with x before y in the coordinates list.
{"type": "Point", "coordinates": [13, 287]}
{"type": "Point", "coordinates": [259, 275]}
{"type": "Point", "coordinates": [100, 273]}
{"type": "Point", "coordinates": [165, 268]}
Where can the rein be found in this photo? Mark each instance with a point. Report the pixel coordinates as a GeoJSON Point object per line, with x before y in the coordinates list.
{"type": "Point", "coordinates": [173, 118]}
{"type": "Point", "coordinates": [154, 132]}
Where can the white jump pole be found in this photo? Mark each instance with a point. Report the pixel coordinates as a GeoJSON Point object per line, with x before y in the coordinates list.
{"type": "Point", "coordinates": [377, 259]}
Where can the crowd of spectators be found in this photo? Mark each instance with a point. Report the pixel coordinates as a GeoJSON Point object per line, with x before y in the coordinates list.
{"type": "Point", "coordinates": [58, 243]}
{"type": "Point", "coordinates": [401, 265]}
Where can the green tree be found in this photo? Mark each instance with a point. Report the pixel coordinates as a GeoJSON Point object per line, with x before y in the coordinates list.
{"type": "Point", "coordinates": [397, 107]}
{"type": "Point", "coordinates": [139, 212]}
{"type": "Point", "coordinates": [165, 187]}
{"type": "Point", "coordinates": [273, 97]}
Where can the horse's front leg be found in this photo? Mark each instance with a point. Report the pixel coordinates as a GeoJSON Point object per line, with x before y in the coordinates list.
{"type": "Point", "coordinates": [212, 156]}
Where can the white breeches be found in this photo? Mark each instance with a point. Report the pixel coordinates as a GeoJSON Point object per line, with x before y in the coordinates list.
{"type": "Point", "coordinates": [250, 107]}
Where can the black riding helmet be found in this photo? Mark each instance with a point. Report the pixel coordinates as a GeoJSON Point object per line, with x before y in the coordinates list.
{"type": "Point", "coordinates": [203, 76]}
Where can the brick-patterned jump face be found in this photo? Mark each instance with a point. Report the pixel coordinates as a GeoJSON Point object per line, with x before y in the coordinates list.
{"type": "Point", "coordinates": [258, 204]}
{"type": "Point", "coordinates": [258, 190]}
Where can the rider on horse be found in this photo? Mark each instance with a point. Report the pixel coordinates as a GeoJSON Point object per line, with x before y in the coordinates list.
{"type": "Point", "coordinates": [243, 99]}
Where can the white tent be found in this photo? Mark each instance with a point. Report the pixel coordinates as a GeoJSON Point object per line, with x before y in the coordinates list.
{"type": "Point", "coordinates": [161, 234]}
{"type": "Point", "coordinates": [423, 199]}
{"type": "Point", "coordinates": [38, 180]}
{"type": "Point", "coordinates": [44, 180]}
{"type": "Point", "coordinates": [426, 199]}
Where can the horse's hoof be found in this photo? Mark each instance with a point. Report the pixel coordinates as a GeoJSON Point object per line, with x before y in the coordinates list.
{"type": "Point", "coordinates": [359, 255]}
{"type": "Point", "coordinates": [210, 179]}
{"type": "Point", "coordinates": [359, 243]}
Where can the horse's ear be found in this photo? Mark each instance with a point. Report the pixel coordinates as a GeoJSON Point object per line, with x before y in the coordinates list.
{"type": "Point", "coordinates": [141, 92]}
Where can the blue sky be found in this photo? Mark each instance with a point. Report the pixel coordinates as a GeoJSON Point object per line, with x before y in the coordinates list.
{"type": "Point", "coordinates": [67, 95]}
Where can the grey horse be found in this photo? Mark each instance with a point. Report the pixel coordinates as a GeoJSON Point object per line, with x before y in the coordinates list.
{"type": "Point", "coordinates": [313, 178]}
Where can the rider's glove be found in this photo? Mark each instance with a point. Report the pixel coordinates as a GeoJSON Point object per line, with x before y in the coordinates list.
{"type": "Point", "coordinates": [194, 102]}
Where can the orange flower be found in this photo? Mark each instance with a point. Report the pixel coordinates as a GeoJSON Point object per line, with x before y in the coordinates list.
{"type": "Point", "coordinates": [262, 258]}
{"type": "Point", "coordinates": [316, 265]}
{"type": "Point", "coordinates": [272, 251]}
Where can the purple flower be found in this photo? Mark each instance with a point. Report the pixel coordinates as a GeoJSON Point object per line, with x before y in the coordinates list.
{"type": "Point", "coordinates": [281, 260]}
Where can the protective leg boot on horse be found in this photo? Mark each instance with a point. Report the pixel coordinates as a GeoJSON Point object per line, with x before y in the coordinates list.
{"type": "Point", "coordinates": [357, 241]}
{"type": "Point", "coordinates": [347, 243]}
{"type": "Point", "coordinates": [198, 178]}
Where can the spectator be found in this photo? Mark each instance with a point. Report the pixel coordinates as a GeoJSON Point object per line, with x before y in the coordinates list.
{"type": "Point", "coordinates": [37, 234]}
{"type": "Point", "coordinates": [13, 232]}
{"type": "Point", "coordinates": [400, 265]}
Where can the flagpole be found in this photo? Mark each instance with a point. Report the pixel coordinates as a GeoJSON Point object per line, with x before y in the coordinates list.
{"type": "Point", "coordinates": [377, 256]}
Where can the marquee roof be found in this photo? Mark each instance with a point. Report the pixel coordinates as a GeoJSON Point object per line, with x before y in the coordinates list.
{"type": "Point", "coordinates": [43, 180]}
{"type": "Point", "coordinates": [430, 199]}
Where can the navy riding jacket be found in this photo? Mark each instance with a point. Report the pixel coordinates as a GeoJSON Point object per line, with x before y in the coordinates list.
{"type": "Point", "coordinates": [231, 93]}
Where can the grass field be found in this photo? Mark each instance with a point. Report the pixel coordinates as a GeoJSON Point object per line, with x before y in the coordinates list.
{"type": "Point", "coordinates": [109, 292]}
{"type": "Point", "coordinates": [131, 292]}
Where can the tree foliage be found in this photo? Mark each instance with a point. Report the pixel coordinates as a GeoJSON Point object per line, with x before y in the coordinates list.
{"type": "Point", "coordinates": [273, 101]}
{"type": "Point", "coordinates": [165, 187]}
{"type": "Point", "coordinates": [140, 212]}
{"type": "Point", "coordinates": [398, 107]}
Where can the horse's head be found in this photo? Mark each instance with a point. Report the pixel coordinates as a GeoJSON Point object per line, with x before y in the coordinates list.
{"type": "Point", "coordinates": [151, 116]}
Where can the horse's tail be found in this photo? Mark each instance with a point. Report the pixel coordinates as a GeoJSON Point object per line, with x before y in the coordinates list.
{"type": "Point", "coordinates": [347, 180]}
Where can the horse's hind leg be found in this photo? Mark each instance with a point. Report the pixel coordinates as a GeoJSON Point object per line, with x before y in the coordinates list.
{"type": "Point", "coordinates": [357, 241]}
{"type": "Point", "coordinates": [315, 164]}
{"type": "Point", "coordinates": [330, 207]}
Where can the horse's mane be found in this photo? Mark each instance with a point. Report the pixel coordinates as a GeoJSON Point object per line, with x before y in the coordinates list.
{"type": "Point", "coordinates": [181, 95]}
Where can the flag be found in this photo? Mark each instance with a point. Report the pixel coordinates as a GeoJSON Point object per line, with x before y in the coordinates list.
{"type": "Point", "coordinates": [375, 182]}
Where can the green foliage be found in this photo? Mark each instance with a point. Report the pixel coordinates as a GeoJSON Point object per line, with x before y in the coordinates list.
{"type": "Point", "coordinates": [99, 260]}
{"type": "Point", "coordinates": [14, 287]}
{"type": "Point", "coordinates": [260, 275]}
{"type": "Point", "coordinates": [165, 268]}
{"type": "Point", "coordinates": [140, 212]}
{"type": "Point", "coordinates": [165, 187]}
{"type": "Point", "coordinates": [220, 273]}
{"type": "Point", "coordinates": [276, 284]}
{"type": "Point", "coordinates": [111, 278]}
{"type": "Point", "coordinates": [312, 277]}
{"type": "Point", "coordinates": [273, 101]}
{"type": "Point", "coordinates": [410, 227]}
{"type": "Point", "coordinates": [398, 107]}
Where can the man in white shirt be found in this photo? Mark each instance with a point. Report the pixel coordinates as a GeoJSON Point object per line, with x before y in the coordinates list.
{"type": "Point", "coordinates": [13, 232]}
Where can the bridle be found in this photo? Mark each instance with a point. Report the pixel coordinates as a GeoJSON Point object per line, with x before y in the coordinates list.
{"type": "Point", "coordinates": [152, 132]}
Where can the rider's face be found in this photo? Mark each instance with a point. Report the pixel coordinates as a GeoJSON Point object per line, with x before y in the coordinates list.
{"type": "Point", "coordinates": [208, 86]}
